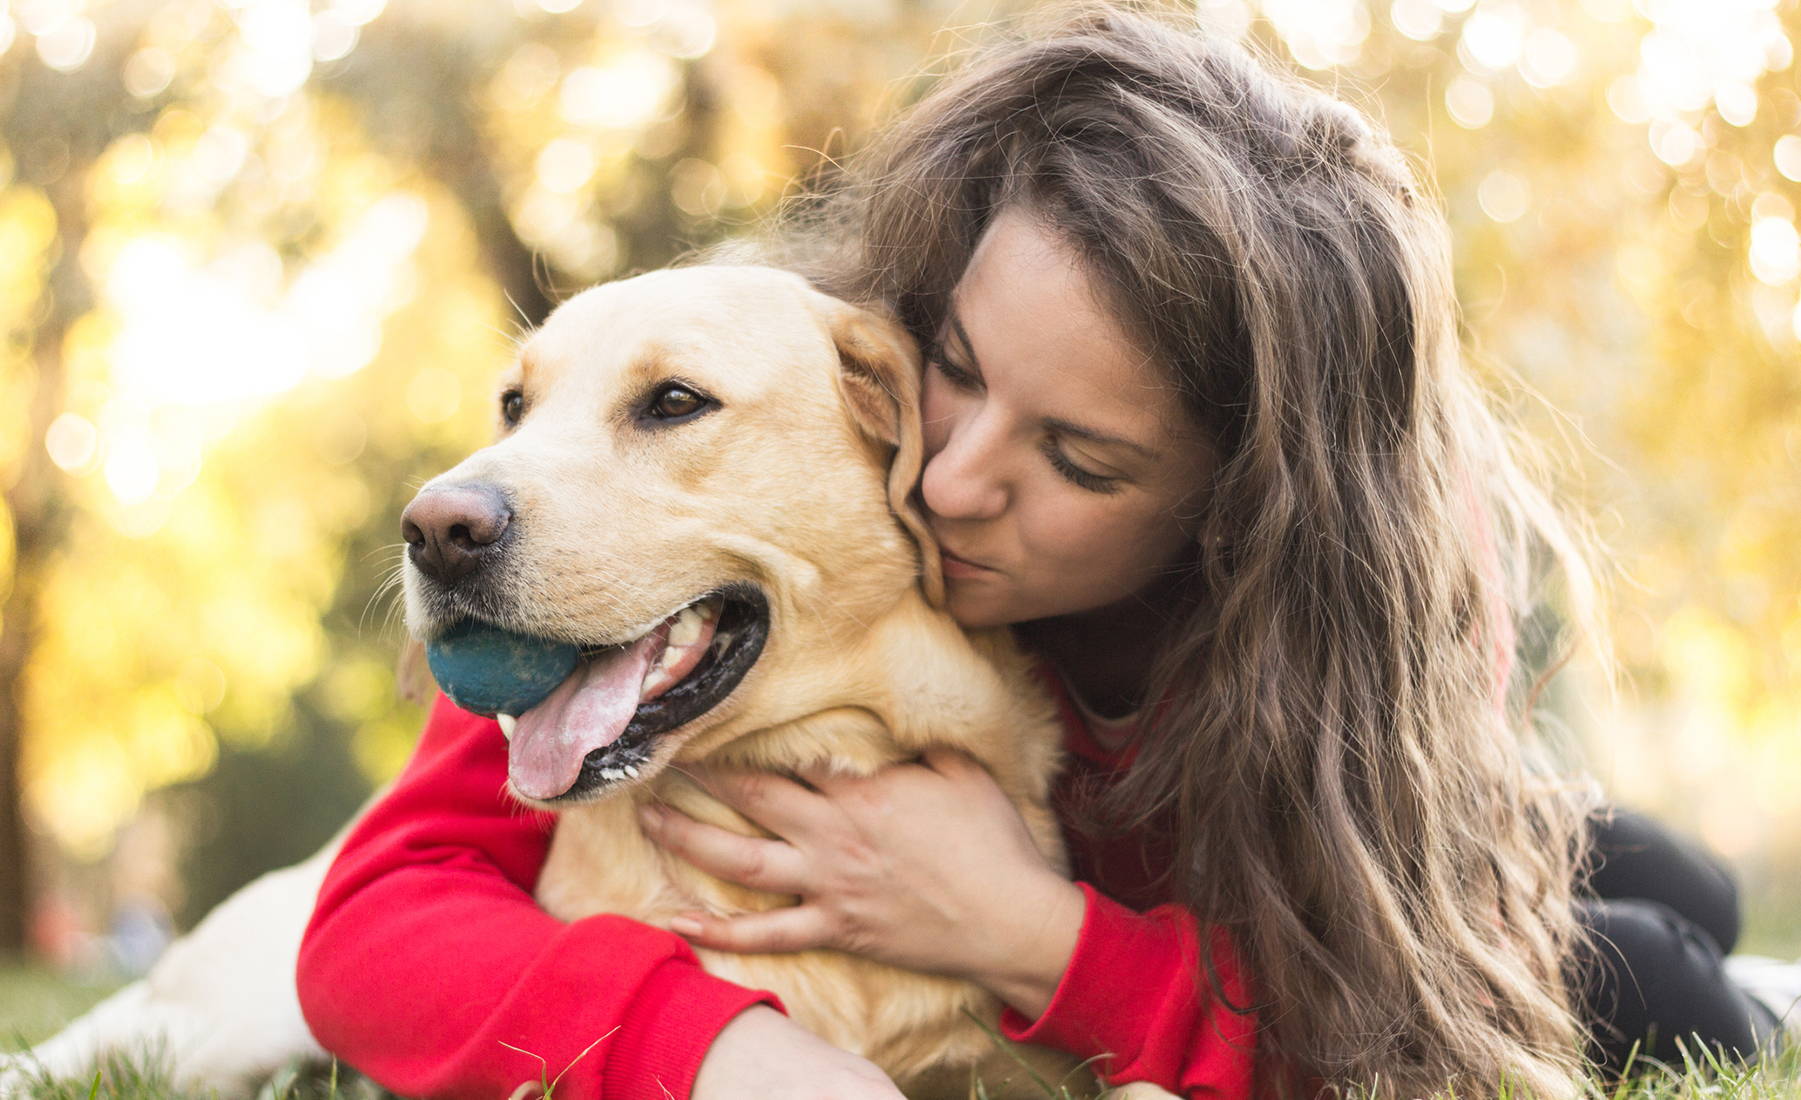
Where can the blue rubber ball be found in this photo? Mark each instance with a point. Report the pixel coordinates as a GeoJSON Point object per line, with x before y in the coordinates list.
{"type": "Point", "coordinates": [491, 671]}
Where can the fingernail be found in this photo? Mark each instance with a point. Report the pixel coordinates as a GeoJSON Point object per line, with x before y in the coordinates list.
{"type": "Point", "coordinates": [684, 926]}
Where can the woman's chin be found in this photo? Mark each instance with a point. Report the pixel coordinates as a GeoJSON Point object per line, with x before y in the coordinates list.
{"type": "Point", "coordinates": [975, 610]}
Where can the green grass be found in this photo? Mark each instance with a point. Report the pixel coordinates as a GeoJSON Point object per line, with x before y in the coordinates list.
{"type": "Point", "coordinates": [33, 1004]}
{"type": "Point", "coordinates": [130, 1079]}
{"type": "Point", "coordinates": [1774, 1079]}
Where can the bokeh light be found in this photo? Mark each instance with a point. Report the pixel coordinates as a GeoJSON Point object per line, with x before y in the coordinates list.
{"type": "Point", "coordinates": [313, 227]}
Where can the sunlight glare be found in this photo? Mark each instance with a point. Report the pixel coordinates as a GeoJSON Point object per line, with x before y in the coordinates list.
{"type": "Point", "coordinates": [1504, 196]}
{"type": "Point", "coordinates": [1549, 58]}
{"type": "Point", "coordinates": [73, 442]}
{"type": "Point", "coordinates": [1787, 155]}
{"type": "Point", "coordinates": [1420, 20]}
{"type": "Point", "coordinates": [1702, 53]}
{"type": "Point", "coordinates": [148, 71]}
{"type": "Point", "coordinates": [1495, 35]}
{"type": "Point", "coordinates": [131, 468]}
{"type": "Point", "coordinates": [225, 332]}
{"type": "Point", "coordinates": [624, 94]}
{"type": "Point", "coordinates": [687, 31]}
{"type": "Point", "coordinates": [277, 55]}
{"type": "Point", "coordinates": [566, 165]}
{"type": "Point", "coordinates": [1626, 101]}
{"type": "Point", "coordinates": [1775, 251]}
{"type": "Point", "coordinates": [334, 36]}
{"type": "Point", "coordinates": [68, 45]}
{"type": "Point", "coordinates": [40, 17]}
{"type": "Point", "coordinates": [1320, 33]}
{"type": "Point", "coordinates": [1675, 143]}
{"type": "Point", "coordinates": [1469, 102]}
{"type": "Point", "coordinates": [1737, 102]}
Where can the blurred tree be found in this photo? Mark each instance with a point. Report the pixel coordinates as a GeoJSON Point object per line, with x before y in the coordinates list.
{"type": "Point", "coordinates": [64, 126]}
{"type": "Point", "coordinates": [261, 257]}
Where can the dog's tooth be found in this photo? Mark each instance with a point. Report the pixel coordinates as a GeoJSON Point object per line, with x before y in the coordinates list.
{"type": "Point", "coordinates": [611, 773]}
{"type": "Point", "coordinates": [632, 770]}
{"type": "Point", "coordinates": [653, 680]}
{"type": "Point", "coordinates": [686, 630]}
{"type": "Point", "coordinates": [507, 722]}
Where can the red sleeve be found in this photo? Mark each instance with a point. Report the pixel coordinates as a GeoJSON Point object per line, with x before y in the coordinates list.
{"type": "Point", "coordinates": [1133, 997]}
{"type": "Point", "coordinates": [426, 958]}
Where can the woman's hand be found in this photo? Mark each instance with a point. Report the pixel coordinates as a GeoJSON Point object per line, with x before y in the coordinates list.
{"type": "Point", "coordinates": [927, 866]}
{"type": "Point", "coordinates": [763, 1055]}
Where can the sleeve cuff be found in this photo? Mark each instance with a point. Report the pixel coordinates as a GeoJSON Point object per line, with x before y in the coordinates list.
{"type": "Point", "coordinates": [1098, 1011]}
{"type": "Point", "coordinates": [675, 1016]}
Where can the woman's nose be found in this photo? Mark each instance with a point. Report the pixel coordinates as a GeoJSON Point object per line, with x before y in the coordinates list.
{"type": "Point", "coordinates": [965, 477]}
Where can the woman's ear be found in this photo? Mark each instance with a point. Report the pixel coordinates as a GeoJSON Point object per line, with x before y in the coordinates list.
{"type": "Point", "coordinates": [878, 377]}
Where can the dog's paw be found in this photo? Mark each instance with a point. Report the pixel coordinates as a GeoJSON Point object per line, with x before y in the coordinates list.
{"type": "Point", "coordinates": [17, 1073]}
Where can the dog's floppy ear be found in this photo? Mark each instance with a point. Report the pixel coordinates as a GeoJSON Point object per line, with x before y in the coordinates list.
{"type": "Point", "coordinates": [878, 377]}
{"type": "Point", "coordinates": [412, 674]}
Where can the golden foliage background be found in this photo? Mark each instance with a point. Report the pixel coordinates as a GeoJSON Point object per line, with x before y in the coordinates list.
{"type": "Point", "coordinates": [260, 258]}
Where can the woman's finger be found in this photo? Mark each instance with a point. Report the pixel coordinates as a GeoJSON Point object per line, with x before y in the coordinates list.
{"type": "Point", "coordinates": [831, 780]}
{"type": "Point", "coordinates": [756, 862]}
{"type": "Point", "coordinates": [793, 928]}
{"type": "Point", "coordinates": [779, 804]}
{"type": "Point", "coordinates": [950, 762]}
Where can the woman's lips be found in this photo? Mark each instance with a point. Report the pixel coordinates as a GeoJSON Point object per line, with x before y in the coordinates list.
{"type": "Point", "coordinates": [960, 567]}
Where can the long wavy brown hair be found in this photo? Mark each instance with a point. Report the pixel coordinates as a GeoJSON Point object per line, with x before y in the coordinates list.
{"type": "Point", "coordinates": [1354, 789]}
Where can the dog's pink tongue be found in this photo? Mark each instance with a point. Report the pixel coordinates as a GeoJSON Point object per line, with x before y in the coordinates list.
{"type": "Point", "coordinates": [587, 711]}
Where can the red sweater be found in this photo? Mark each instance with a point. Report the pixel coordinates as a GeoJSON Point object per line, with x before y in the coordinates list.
{"type": "Point", "coordinates": [427, 962]}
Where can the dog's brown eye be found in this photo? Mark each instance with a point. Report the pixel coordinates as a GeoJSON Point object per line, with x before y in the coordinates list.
{"type": "Point", "coordinates": [675, 401]}
{"type": "Point", "coordinates": [512, 407]}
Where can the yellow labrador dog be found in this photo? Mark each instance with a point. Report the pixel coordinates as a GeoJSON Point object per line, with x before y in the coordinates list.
{"type": "Point", "coordinates": [703, 482]}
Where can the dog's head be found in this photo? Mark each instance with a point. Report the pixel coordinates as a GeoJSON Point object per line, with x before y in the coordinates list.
{"type": "Point", "coordinates": [701, 473]}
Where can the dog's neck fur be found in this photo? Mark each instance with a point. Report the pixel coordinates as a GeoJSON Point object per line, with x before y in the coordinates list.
{"type": "Point", "coordinates": [919, 681]}
{"type": "Point", "coordinates": [909, 680]}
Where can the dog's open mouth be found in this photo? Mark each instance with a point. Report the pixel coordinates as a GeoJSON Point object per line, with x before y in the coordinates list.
{"type": "Point", "coordinates": [600, 725]}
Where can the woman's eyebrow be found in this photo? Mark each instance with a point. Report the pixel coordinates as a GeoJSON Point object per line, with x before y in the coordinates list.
{"type": "Point", "coordinates": [1093, 436]}
{"type": "Point", "coordinates": [1054, 423]}
{"type": "Point", "coordinates": [963, 339]}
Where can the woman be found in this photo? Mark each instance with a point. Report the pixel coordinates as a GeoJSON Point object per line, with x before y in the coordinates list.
{"type": "Point", "coordinates": [1198, 430]}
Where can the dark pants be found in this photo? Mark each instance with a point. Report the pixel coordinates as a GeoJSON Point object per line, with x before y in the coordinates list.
{"type": "Point", "coordinates": [1659, 915]}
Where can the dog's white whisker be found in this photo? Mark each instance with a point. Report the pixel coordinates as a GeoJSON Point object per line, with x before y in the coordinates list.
{"type": "Point", "coordinates": [389, 585]}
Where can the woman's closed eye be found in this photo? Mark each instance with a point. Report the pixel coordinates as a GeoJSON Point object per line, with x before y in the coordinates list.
{"type": "Point", "coordinates": [1092, 482]}
{"type": "Point", "coordinates": [965, 380]}
{"type": "Point", "coordinates": [953, 374]}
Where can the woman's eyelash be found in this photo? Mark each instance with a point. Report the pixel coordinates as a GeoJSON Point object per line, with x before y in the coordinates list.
{"type": "Point", "coordinates": [1092, 482]}
{"type": "Point", "coordinates": [953, 374]}
{"type": "Point", "coordinates": [962, 379]}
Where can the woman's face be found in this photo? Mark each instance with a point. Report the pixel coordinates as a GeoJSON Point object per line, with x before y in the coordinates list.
{"type": "Point", "coordinates": [1058, 460]}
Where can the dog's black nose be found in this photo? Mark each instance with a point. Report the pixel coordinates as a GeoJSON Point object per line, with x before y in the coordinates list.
{"type": "Point", "coordinates": [447, 528]}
